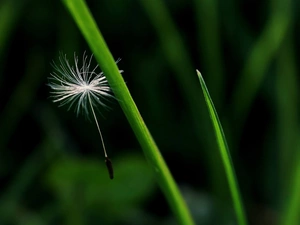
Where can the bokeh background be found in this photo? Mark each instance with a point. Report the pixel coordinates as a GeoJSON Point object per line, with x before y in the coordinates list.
{"type": "Point", "coordinates": [52, 166]}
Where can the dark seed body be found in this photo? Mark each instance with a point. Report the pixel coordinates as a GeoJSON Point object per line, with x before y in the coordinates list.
{"type": "Point", "coordinates": [109, 167]}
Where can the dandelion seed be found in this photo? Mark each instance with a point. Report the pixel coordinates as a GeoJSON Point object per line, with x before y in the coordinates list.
{"type": "Point", "coordinates": [81, 88]}
{"type": "Point", "coordinates": [110, 168]}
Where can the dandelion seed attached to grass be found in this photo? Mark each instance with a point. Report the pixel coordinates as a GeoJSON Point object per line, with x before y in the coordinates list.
{"type": "Point", "coordinates": [82, 88]}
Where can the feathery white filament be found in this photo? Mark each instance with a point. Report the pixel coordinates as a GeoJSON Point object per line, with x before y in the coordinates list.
{"type": "Point", "coordinates": [105, 154]}
{"type": "Point", "coordinates": [79, 87]}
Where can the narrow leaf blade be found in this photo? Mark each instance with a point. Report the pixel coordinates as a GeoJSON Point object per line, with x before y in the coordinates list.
{"type": "Point", "coordinates": [225, 154]}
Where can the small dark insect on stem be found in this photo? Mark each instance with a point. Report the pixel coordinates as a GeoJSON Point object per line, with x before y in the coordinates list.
{"type": "Point", "coordinates": [109, 167]}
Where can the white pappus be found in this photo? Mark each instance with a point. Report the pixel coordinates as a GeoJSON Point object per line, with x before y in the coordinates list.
{"type": "Point", "coordinates": [82, 88]}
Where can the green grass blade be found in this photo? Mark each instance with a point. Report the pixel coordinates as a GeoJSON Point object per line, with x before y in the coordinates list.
{"type": "Point", "coordinates": [291, 211]}
{"type": "Point", "coordinates": [91, 33]}
{"type": "Point", "coordinates": [225, 155]}
{"type": "Point", "coordinates": [174, 49]}
{"type": "Point", "coordinates": [176, 54]}
{"type": "Point", "coordinates": [287, 111]}
{"type": "Point", "coordinates": [288, 132]}
{"type": "Point", "coordinates": [178, 57]}
{"type": "Point", "coordinates": [210, 47]}
{"type": "Point", "coordinates": [260, 57]}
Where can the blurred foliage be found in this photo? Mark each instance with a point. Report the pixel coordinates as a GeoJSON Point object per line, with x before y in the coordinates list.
{"type": "Point", "coordinates": [80, 189]}
{"type": "Point", "coordinates": [51, 165]}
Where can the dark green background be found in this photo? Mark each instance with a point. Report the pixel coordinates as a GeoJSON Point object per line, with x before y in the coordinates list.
{"type": "Point", "coordinates": [52, 167]}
